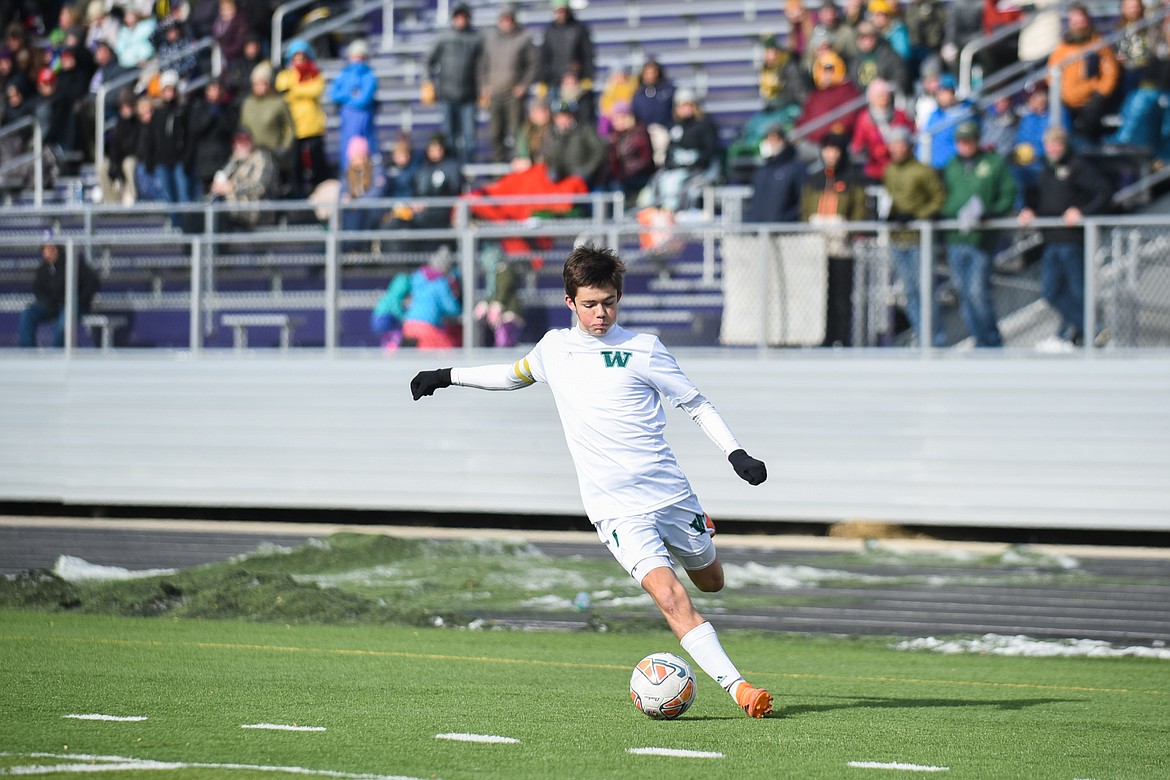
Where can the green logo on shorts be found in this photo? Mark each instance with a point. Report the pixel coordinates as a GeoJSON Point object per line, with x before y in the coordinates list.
{"type": "Point", "coordinates": [699, 524]}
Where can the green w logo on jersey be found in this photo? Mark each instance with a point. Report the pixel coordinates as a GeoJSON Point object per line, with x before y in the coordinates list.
{"type": "Point", "coordinates": [619, 359]}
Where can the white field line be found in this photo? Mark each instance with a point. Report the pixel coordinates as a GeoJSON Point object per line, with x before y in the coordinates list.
{"type": "Point", "coordinates": [96, 763]}
{"type": "Point", "coordinates": [673, 753]}
{"type": "Point", "coordinates": [115, 718]}
{"type": "Point", "coordinates": [478, 738]}
{"type": "Point", "coordinates": [280, 727]}
{"type": "Point", "coordinates": [898, 765]}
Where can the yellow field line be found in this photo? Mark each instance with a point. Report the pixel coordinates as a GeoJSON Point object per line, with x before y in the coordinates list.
{"type": "Point", "coordinates": [573, 664]}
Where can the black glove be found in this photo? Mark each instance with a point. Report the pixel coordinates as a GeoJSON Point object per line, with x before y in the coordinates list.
{"type": "Point", "coordinates": [427, 382]}
{"type": "Point", "coordinates": [900, 218]}
{"type": "Point", "coordinates": [748, 468]}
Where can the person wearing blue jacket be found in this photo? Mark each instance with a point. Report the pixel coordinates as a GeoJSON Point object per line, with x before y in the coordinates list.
{"type": "Point", "coordinates": [428, 323]}
{"type": "Point", "coordinates": [354, 92]}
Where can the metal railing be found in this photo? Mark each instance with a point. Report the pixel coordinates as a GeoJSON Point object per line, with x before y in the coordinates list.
{"type": "Point", "coordinates": [967, 55]}
{"type": "Point", "coordinates": [34, 155]}
{"type": "Point", "coordinates": [1127, 265]}
{"type": "Point", "coordinates": [361, 8]}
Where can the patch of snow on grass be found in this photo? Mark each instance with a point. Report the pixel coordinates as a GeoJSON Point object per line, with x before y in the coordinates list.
{"type": "Point", "coordinates": [997, 644]}
{"type": "Point", "coordinates": [73, 569]}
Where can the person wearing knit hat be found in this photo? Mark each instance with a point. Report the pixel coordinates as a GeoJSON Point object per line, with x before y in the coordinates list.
{"type": "Point", "coordinates": [365, 179]}
{"type": "Point", "coordinates": [832, 195]}
{"type": "Point", "coordinates": [452, 69]}
{"type": "Point", "coordinates": [302, 86]}
{"type": "Point", "coordinates": [354, 91]}
{"type": "Point", "coordinates": [265, 115]}
{"type": "Point", "coordinates": [507, 69]}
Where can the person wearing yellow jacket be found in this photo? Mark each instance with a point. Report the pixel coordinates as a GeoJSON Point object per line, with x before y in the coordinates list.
{"type": "Point", "coordinates": [302, 85]}
{"type": "Point", "coordinates": [1089, 74]}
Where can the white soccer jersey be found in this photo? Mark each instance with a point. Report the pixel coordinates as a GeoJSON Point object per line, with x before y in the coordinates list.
{"type": "Point", "coordinates": [609, 394]}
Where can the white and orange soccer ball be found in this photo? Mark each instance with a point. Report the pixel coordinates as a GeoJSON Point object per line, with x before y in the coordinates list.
{"type": "Point", "coordinates": [663, 686]}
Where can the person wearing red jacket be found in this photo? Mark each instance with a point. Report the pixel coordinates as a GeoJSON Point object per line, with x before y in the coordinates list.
{"type": "Point", "coordinates": [874, 126]}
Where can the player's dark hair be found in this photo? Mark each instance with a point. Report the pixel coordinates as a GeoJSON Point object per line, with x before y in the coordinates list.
{"type": "Point", "coordinates": [593, 266]}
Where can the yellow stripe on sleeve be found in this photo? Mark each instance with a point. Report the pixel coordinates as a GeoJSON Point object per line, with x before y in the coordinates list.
{"type": "Point", "coordinates": [523, 371]}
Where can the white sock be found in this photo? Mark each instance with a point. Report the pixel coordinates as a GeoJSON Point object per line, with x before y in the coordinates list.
{"type": "Point", "coordinates": [702, 644]}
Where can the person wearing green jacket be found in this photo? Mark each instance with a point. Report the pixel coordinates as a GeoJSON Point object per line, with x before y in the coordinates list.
{"type": "Point", "coordinates": [979, 186]}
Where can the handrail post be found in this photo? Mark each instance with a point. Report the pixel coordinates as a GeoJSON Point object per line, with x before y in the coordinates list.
{"type": "Point", "coordinates": [332, 275]}
{"type": "Point", "coordinates": [1055, 104]}
{"type": "Point", "coordinates": [71, 302]}
{"type": "Point", "coordinates": [99, 128]}
{"type": "Point", "coordinates": [38, 165]}
{"type": "Point", "coordinates": [926, 289]}
{"type": "Point", "coordinates": [1092, 242]}
{"type": "Point", "coordinates": [195, 337]}
{"type": "Point", "coordinates": [764, 253]}
{"type": "Point", "coordinates": [387, 25]}
{"type": "Point", "coordinates": [467, 263]}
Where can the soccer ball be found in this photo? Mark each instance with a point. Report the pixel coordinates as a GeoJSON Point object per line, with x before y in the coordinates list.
{"type": "Point", "coordinates": [662, 686]}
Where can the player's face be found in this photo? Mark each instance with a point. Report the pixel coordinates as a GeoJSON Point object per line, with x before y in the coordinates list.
{"type": "Point", "coordinates": [596, 309]}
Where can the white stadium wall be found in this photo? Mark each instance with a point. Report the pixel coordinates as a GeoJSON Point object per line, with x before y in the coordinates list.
{"type": "Point", "coordinates": [970, 439]}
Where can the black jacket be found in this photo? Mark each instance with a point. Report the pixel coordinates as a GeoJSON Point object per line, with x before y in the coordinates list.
{"type": "Point", "coordinates": [1070, 182]}
{"type": "Point", "coordinates": [694, 144]}
{"type": "Point", "coordinates": [49, 285]}
{"type": "Point", "coordinates": [566, 48]}
{"type": "Point", "coordinates": [776, 189]}
{"type": "Point", "coordinates": [165, 140]}
{"type": "Point", "coordinates": [209, 134]}
{"type": "Point", "coordinates": [453, 65]}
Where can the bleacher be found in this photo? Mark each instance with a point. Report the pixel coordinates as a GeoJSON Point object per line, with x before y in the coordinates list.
{"type": "Point", "coordinates": [713, 48]}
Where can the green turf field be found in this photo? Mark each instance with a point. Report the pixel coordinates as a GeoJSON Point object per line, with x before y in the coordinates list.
{"type": "Point", "coordinates": [377, 696]}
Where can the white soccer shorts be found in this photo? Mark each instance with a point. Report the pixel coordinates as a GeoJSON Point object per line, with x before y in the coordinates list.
{"type": "Point", "coordinates": [645, 542]}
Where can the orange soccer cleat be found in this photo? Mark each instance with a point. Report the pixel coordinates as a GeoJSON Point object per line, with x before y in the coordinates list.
{"type": "Point", "coordinates": [756, 702]}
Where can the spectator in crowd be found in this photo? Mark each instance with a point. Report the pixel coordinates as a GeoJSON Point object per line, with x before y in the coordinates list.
{"type": "Point", "coordinates": [438, 176]}
{"type": "Point", "coordinates": [165, 149]}
{"type": "Point", "coordinates": [782, 85]}
{"type": "Point", "coordinates": [49, 294]}
{"type": "Point", "coordinates": [926, 30]}
{"type": "Point", "coordinates": [302, 85]}
{"type": "Point", "coordinates": [7, 74]}
{"type": "Point", "coordinates": [619, 89]}
{"type": "Point", "coordinates": [1000, 122]}
{"type": "Point", "coordinates": [508, 68]}
{"type": "Point", "coordinates": [567, 47]}
{"type": "Point", "coordinates": [832, 90]}
{"type": "Point", "coordinates": [25, 58]}
{"type": "Point", "coordinates": [250, 176]}
{"type": "Point", "coordinates": [237, 74]}
{"type": "Point", "coordinates": [924, 102]}
{"type": "Point", "coordinates": [874, 125]}
{"type": "Point", "coordinates": [107, 70]}
{"type": "Point", "coordinates": [500, 311]}
{"type": "Point", "coordinates": [938, 147]}
{"type": "Point", "coordinates": [52, 110]}
{"type": "Point", "coordinates": [364, 179]}
{"type": "Point", "coordinates": [1069, 187]}
{"type": "Point", "coordinates": [800, 26]}
{"type": "Point", "coordinates": [573, 148]}
{"type": "Point", "coordinates": [964, 24]}
{"type": "Point", "coordinates": [629, 153]}
{"type": "Point", "coordinates": [390, 310]}
{"type": "Point", "coordinates": [832, 195]}
{"type": "Point", "coordinates": [884, 16]}
{"type": "Point", "coordinates": [452, 66]}
{"type": "Point", "coordinates": [212, 123]}
{"type": "Point", "coordinates": [571, 91]}
{"type": "Point", "coordinates": [72, 90]}
{"type": "Point", "coordinates": [145, 182]}
{"type": "Point", "coordinates": [692, 158]}
{"type": "Point", "coordinates": [876, 60]}
{"type": "Point", "coordinates": [979, 187]}
{"type": "Point", "coordinates": [778, 183]}
{"type": "Point", "coordinates": [916, 192]}
{"type": "Point", "coordinates": [133, 42]}
{"type": "Point", "coordinates": [530, 140]}
{"type": "Point", "coordinates": [1135, 47]}
{"type": "Point", "coordinates": [832, 30]}
{"type": "Point", "coordinates": [402, 168]}
{"type": "Point", "coordinates": [100, 24]}
{"type": "Point", "coordinates": [265, 115]}
{"type": "Point", "coordinates": [355, 92]}
{"type": "Point", "coordinates": [654, 106]}
{"type": "Point", "coordinates": [1089, 74]}
{"type": "Point", "coordinates": [852, 12]}
{"type": "Point", "coordinates": [175, 49]}
{"type": "Point", "coordinates": [12, 145]}
{"type": "Point", "coordinates": [116, 176]}
{"type": "Point", "coordinates": [1028, 149]}
{"type": "Point", "coordinates": [1000, 53]}
{"type": "Point", "coordinates": [230, 30]}
{"type": "Point", "coordinates": [430, 322]}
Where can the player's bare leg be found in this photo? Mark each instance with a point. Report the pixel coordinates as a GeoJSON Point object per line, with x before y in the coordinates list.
{"type": "Point", "coordinates": [698, 637]}
{"type": "Point", "coordinates": [710, 578]}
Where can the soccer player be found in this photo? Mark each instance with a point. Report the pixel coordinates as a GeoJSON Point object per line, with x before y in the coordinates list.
{"type": "Point", "coordinates": [609, 384]}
